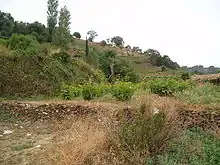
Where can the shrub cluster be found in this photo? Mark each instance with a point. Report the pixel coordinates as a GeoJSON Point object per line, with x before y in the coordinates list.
{"type": "Point", "coordinates": [167, 87]}
{"type": "Point", "coordinates": [122, 91]}
{"type": "Point", "coordinates": [24, 44]}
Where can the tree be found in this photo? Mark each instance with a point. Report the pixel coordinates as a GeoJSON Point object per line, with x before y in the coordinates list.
{"type": "Point", "coordinates": [118, 41]}
{"type": "Point", "coordinates": [92, 34]}
{"type": "Point", "coordinates": [152, 52]}
{"type": "Point", "coordinates": [103, 43]}
{"type": "Point", "coordinates": [77, 35]}
{"type": "Point", "coordinates": [107, 62]}
{"type": "Point", "coordinates": [6, 24]}
{"type": "Point", "coordinates": [62, 35]}
{"type": "Point", "coordinates": [128, 47]}
{"type": "Point", "coordinates": [52, 14]}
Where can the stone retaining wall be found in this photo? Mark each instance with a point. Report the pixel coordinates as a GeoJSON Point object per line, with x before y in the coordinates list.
{"type": "Point", "coordinates": [45, 111]}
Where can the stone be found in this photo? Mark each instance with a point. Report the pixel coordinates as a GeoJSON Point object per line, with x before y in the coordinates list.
{"type": "Point", "coordinates": [7, 132]}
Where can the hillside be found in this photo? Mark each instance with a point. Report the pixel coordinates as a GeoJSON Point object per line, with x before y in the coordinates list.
{"type": "Point", "coordinates": [69, 101]}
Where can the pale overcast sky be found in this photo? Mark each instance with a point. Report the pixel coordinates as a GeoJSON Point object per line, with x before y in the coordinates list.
{"type": "Point", "coordinates": [186, 30]}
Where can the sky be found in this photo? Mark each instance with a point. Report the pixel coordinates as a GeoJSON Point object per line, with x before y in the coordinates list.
{"type": "Point", "coordinates": [188, 31]}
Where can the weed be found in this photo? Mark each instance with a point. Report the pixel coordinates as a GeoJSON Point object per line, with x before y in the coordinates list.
{"type": "Point", "coordinates": [22, 147]}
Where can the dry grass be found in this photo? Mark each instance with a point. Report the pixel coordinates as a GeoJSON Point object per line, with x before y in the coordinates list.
{"type": "Point", "coordinates": [75, 140]}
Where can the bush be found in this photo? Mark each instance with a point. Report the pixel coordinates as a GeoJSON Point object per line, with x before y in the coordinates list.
{"type": "Point", "coordinates": [69, 92]}
{"type": "Point", "coordinates": [163, 68]}
{"type": "Point", "coordinates": [103, 43]}
{"type": "Point", "coordinates": [123, 91]}
{"type": "Point", "coordinates": [102, 89]}
{"type": "Point", "coordinates": [167, 87]}
{"type": "Point", "coordinates": [185, 76]}
{"type": "Point", "coordinates": [77, 35]}
{"type": "Point", "coordinates": [88, 91]}
{"type": "Point", "coordinates": [62, 56]}
{"type": "Point", "coordinates": [142, 134]}
{"type": "Point", "coordinates": [3, 42]}
{"type": "Point", "coordinates": [27, 45]}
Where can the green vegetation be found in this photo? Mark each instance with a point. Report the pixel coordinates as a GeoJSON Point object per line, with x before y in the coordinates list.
{"type": "Point", "coordinates": [205, 94]}
{"type": "Point", "coordinates": [142, 134]}
{"type": "Point", "coordinates": [123, 90]}
{"type": "Point", "coordinates": [205, 149]}
{"type": "Point", "coordinates": [147, 137]}
{"type": "Point", "coordinates": [167, 87]}
{"type": "Point", "coordinates": [22, 147]}
{"type": "Point", "coordinates": [6, 117]}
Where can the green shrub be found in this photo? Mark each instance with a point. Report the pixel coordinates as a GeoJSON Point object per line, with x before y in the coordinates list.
{"type": "Point", "coordinates": [102, 89]}
{"type": "Point", "coordinates": [69, 92]}
{"type": "Point", "coordinates": [185, 76]}
{"type": "Point", "coordinates": [3, 42]}
{"type": "Point", "coordinates": [205, 149]}
{"type": "Point", "coordinates": [167, 87]}
{"type": "Point", "coordinates": [123, 91]}
{"type": "Point", "coordinates": [142, 134]}
{"type": "Point", "coordinates": [27, 45]}
{"type": "Point", "coordinates": [142, 86]}
{"type": "Point", "coordinates": [62, 56]}
{"type": "Point", "coordinates": [88, 91]}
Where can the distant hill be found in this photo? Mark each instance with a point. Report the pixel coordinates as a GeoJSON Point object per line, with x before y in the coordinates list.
{"type": "Point", "coordinates": [201, 69]}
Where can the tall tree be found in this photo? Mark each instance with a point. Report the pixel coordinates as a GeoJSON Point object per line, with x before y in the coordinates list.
{"type": "Point", "coordinates": [52, 14]}
{"type": "Point", "coordinates": [63, 35]}
{"type": "Point", "coordinates": [6, 24]}
{"type": "Point", "coordinates": [92, 34]}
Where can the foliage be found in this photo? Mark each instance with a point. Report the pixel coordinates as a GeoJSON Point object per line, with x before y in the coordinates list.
{"type": "Point", "coordinates": [185, 76]}
{"type": "Point", "coordinates": [62, 36]}
{"type": "Point", "coordinates": [205, 94]}
{"type": "Point", "coordinates": [26, 45]}
{"type": "Point", "coordinates": [3, 42]}
{"type": "Point", "coordinates": [62, 56]}
{"type": "Point", "coordinates": [69, 92]}
{"type": "Point", "coordinates": [42, 75]}
{"type": "Point", "coordinates": [158, 60]}
{"type": "Point", "coordinates": [118, 41]}
{"type": "Point", "coordinates": [163, 68]}
{"type": "Point", "coordinates": [77, 35]}
{"type": "Point", "coordinates": [6, 24]}
{"type": "Point", "coordinates": [142, 134]}
{"type": "Point", "coordinates": [92, 34]}
{"type": "Point", "coordinates": [167, 87]}
{"type": "Point", "coordinates": [123, 91]}
{"type": "Point", "coordinates": [52, 14]}
{"type": "Point", "coordinates": [205, 149]}
{"type": "Point", "coordinates": [88, 91]}
{"type": "Point", "coordinates": [116, 67]}
{"type": "Point", "coordinates": [102, 89]}
{"type": "Point", "coordinates": [103, 43]}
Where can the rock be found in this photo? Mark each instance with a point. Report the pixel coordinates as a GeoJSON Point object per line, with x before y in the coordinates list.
{"type": "Point", "coordinates": [38, 146]}
{"type": "Point", "coordinates": [155, 111]}
{"type": "Point", "coordinates": [6, 132]}
{"type": "Point", "coordinates": [28, 134]}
